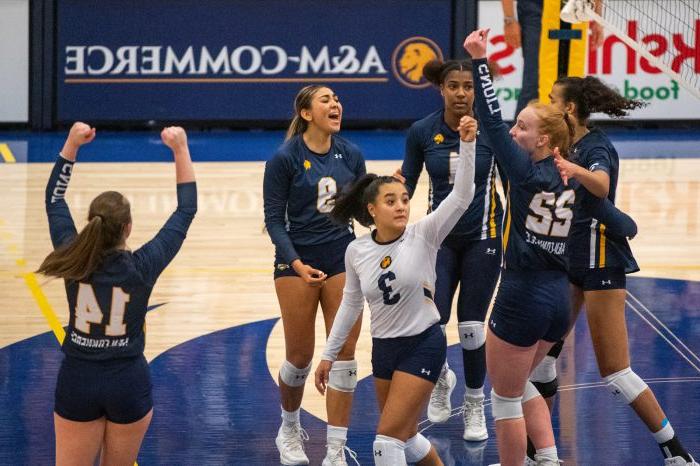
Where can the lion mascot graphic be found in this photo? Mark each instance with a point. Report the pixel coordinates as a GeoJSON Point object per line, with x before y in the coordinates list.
{"type": "Point", "coordinates": [414, 58]}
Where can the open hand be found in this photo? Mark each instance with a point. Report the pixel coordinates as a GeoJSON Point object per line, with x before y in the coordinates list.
{"type": "Point", "coordinates": [567, 169]}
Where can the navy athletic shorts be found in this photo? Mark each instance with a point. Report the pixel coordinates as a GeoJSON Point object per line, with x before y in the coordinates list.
{"type": "Point", "coordinates": [530, 306]}
{"type": "Point", "coordinates": [473, 264]}
{"type": "Point", "coordinates": [329, 258]}
{"type": "Point", "coordinates": [119, 390]}
{"type": "Point", "coordinates": [612, 278]}
{"type": "Point", "coordinates": [421, 355]}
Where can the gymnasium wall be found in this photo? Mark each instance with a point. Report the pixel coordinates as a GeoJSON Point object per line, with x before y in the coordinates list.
{"type": "Point", "coordinates": [233, 63]}
{"type": "Point", "coordinates": [245, 60]}
{"type": "Point", "coordinates": [14, 61]}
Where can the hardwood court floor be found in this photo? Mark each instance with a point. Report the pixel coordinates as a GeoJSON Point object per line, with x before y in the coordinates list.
{"type": "Point", "coordinates": [217, 309]}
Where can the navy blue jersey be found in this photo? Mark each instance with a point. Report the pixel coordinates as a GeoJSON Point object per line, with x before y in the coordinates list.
{"type": "Point", "coordinates": [432, 142]}
{"type": "Point", "coordinates": [590, 245]}
{"type": "Point", "coordinates": [540, 209]}
{"type": "Point", "coordinates": [297, 188]}
{"type": "Point", "coordinates": [108, 309]}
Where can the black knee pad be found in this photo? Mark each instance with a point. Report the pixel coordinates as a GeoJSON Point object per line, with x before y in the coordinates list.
{"type": "Point", "coordinates": [547, 389]}
{"type": "Point", "coordinates": [555, 350]}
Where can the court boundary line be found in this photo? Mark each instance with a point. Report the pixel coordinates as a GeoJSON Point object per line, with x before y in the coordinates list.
{"type": "Point", "coordinates": [570, 388]}
{"type": "Point", "coordinates": [662, 335]}
{"type": "Point", "coordinates": [660, 322]}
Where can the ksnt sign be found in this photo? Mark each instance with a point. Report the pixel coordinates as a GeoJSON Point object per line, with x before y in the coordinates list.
{"type": "Point", "coordinates": [616, 64]}
{"type": "Point", "coordinates": [229, 61]}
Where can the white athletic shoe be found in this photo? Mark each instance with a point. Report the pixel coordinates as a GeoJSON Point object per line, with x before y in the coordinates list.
{"type": "Point", "coordinates": [440, 406]}
{"type": "Point", "coordinates": [290, 443]}
{"type": "Point", "coordinates": [529, 462]}
{"type": "Point", "coordinates": [679, 461]}
{"type": "Point", "coordinates": [335, 454]}
{"type": "Point", "coordinates": [545, 461]}
{"type": "Point", "coordinates": [474, 419]}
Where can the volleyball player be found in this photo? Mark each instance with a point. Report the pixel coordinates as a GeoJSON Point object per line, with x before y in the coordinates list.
{"type": "Point", "coordinates": [599, 261]}
{"type": "Point", "coordinates": [313, 164]}
{"type": "Point", "coordinates": [471, 254]}
{"type": "Point", "coordinates": [103, 392]}
{"type": "Point", "coordinates": [531, 311]}
{"type": "Point", "coordinates": [393, 268]}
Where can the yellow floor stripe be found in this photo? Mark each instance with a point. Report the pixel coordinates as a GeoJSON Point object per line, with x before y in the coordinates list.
{"type": "Point", "coordinates": [7, 153]}
{"type": "Point", "coordinates": [43, 303]}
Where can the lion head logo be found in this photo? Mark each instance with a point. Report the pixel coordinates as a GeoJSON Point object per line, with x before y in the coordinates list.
{"type": "Point", "coordinates": [386, 262]}
{"type": "Point", "coordinates": [410, 57]}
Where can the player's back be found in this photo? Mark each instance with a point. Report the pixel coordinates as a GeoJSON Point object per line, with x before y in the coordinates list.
{"type": "Point", "coordinates": [108, 310]}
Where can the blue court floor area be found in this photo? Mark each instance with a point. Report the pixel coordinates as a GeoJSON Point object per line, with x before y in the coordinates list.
{"type": "Point", "coordinates": [215, 402]}
{"type": "Point", "coordinates": [223, 145]}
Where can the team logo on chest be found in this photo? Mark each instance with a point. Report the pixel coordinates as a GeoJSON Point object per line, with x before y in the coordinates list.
{"type": "Point", "coordinates": [307, 164]}
{"type": "Point", "coordinates": [386, 262]}
{"type": "Point", "coordinates": [439, 138]}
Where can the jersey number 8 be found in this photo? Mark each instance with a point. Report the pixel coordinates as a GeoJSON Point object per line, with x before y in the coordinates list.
{"type": "Point", "coordinates": [326, 189]}
{"type": "Point", "coordinates": [551, 214]}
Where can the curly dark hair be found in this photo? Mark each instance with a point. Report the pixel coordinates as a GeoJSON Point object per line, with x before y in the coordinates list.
{"type": "Point", "coordinates": [591, 95]}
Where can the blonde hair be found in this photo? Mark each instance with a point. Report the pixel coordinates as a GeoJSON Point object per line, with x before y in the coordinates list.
{"type": "Point", "coordinates": [302, 102]}
{"type": "Point", "coordinates": [555, 124]}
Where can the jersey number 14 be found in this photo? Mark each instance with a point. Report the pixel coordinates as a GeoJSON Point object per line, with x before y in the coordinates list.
{"type": "Point", "coordinates": [88, 311]}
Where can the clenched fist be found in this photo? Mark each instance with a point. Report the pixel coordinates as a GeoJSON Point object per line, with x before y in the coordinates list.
{"type": "Point", "coordinates": [174, 137]}
{"type": "Point", "coordinates": [80, 134]}
{"type": "Point", "coordinates": [467, 128]}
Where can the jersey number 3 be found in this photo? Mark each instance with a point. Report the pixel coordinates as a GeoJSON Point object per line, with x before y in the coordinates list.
{"type": "Point", "coordinates": [326, 189]}
{"type": "Point", "coordinates": [384, 280]}
{"type": "Point", "coordinates": [551, 215]}
{"type": "Point", "coordinates": [88, 311]}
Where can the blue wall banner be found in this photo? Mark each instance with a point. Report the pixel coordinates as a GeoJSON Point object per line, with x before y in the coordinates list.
{"type": "Point", "coordinates": [244, 60]}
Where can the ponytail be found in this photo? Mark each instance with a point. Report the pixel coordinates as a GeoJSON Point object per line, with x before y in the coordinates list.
{"type": "Point", "coordinates": [302, 102]}
{"type": "Point", "coordinates": [591, 95]}
{"type": "Point", "coordinates": [352, 203]}
{"type": "Point", "coordinates": [108, 217]}
{"type": "Point", "coordinates": [555, 124]}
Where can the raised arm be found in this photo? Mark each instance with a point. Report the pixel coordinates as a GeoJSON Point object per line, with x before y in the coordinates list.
{"type": "Point", "coordinates": [61, 225]}
{"type": "Point", "coordinates": [437, 225]}
{"type": "Point", "coordinates": [413, 160]}
{"type": "Point", "coordinates": [511, 157]}
{"type": "Point", "coordinates": [155, 255]}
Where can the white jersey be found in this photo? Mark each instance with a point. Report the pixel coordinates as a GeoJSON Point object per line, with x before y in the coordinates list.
{"type": "Point", "coordinates": [398, 278]}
